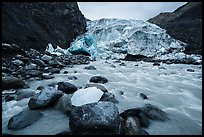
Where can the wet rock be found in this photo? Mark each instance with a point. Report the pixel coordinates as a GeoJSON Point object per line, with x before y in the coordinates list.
{"type": "Point", "coordinates": [122, 64]}
{"type": "Point", "coordinates": [142, 132]}
{"type": "Point", "coordinates": [24, 119]}
{"type": "Point", "coordinates": [132, 126]}
{"type": "Point", "coordinates": [10, 97]}
{"type": "Point", "coordinates": [47, 76]}
{"type": "Point", "coordinates": [190, 70]}
{"type": "Point", "coordinates": [143, 96]}
{"type": "Point", "coordinates": [67, 87]}
{"type": "Point", "coordinates": [46, 98]}
{"type": "Point", "coordinates": [64, 104]}
{"type": "Point", "coordinates": [101, 87]}
{"type": "Point", "coordinates": [55, 71]}
{"type": "Point", "coordinates": [113, 66]}
{"type": "Point", "coordinates": [154, 113]}
{"type": "Point", "coordinates": [90, 67]}
{"type": "Point", "coordinates": [55, 63]}
{"type": "Point", "coordinates": [162, 68]}
{"type": "Point", "coordinates": [40, 87]}
{"type": "Point", "coordinates": [25, 93]}
{"type": "Point", "coordinates": [65, 72]}
{"type": "Point", "coordinates": [72, 78]}
{"type": "Point", "coordinates": [107, 96]}
{"type": "Point", "coordinates": [18, 62]}
{"type": "Point", "coordinates": [12, 83]}
{"type": "Point", "coordinates": [117, 61]}
{"type": "Point", "coordinates": [130, 57]}
{"type": "Point", "coordinates": [100, 116]}
{"type": "Point", "coordinates": [136, 112]}
{"type": "Point", "coordinates": [98, 79]}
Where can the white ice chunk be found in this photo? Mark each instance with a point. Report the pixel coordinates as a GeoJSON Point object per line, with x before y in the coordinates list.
{"type": "Point", "coordinates": [86, 96]}
{"type": "Point", "coordinates": [49, 48]}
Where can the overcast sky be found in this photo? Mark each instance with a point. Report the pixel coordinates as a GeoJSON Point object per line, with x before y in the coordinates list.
{"type": "Point", "coordinates": [126, 10]}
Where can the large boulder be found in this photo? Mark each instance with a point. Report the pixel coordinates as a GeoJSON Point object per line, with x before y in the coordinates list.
{"type": "Point", "coordinates": [24, 119]}
{"type": "Point", "coordinates": [24, 93]}
{"type": "Point", "coordinates": [101, 87]}
{"type": "Point", "coordinates": [46, 98]}
{"type": "Point", "coordinates": [12, 83]}
{"type": "Point", "coordinates": [34, 25]}
{"type": "Point", "coordinates": [95, 118]}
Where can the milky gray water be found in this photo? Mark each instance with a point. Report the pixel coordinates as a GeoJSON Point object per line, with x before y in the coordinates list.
{"type": "Point", "coordinates": [175, 90]}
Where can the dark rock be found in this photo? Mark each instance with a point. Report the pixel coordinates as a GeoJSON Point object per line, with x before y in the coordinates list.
{"type": "Point", "coordinates": [72, 78]}
{"type": "Point", "coordinates": [67, 87]}
{"type": "Point", "coordinates": [39, 62]}
{"type": "Point", "coordinates": [64, 133]}
{"type": "Point", "coordinates": [18, 62]}
{"type": "Point", "coordinates": [117, 61]}
{"type": "Point", "coordinates": [154, 113]}
{"type": "Point", "coordinates": [34, 28]}
{"type": "Point", "coordinates": [40, 87]}
{"type": "Point", "coordinates": [184, 24]}
{"type": "Point", "coordinates": [107, 96]}
{"type": "Point", "coordinates": [90, 68]}
{"type": "Point", "coordinates": [136, 112]}
{"type": "Point", "coordinates": [162, 68]}
{"type": "Point", "coordinates": [31, 66]}
{"type": "Point", "coordinates": [132, 126]}
{"type": "Point", "coordinates": [101, 87]}
{"type": "Point", "coordinates": [55, 63]}
{"type": "Point", "coordinates": [190, 70]}
{"type": "Point", "coordinates": [47, 76]}
{"type": "Point", "coordinates": [10, 97]}
{"type": "Point", "coordinates": [98, 79]}
{"type": "Point", "coordinates": [55, 71]}
{"type": "Point", "coordinates": [12, 83]}
{"type": "Point", "coordinates": [65, 72]}
{"type": "Point", "coordinates": [121, 92]}
{"type": "Point", "coordinates": [46, 98]}
{"type": "Point", "coordinates": [156, 64]}
{"type": "Point", "coordinates": [34, 73]}
{"type": "Point", "coordinates": [46, 58]}
{"type": "Point", "coordinates": [142, 95]}
{"type": "Point", "coordinates": [122, 64]}
{"type": "Point", "coordinates": [25, 93]}
{"type": "Point", "coordinates": [142, 132]}
{"type": "Point", "coordinates": [101, 116]}
{"type": "Point", "coordinates": [24, 119]}
{"type": "Point", "coordinates": [130, 57]}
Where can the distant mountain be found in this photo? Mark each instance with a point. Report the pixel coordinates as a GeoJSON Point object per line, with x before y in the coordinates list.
{"type": "Point", "coordinates": [184, 24]}
{"type": "Point", "coordinates": [35, 24]}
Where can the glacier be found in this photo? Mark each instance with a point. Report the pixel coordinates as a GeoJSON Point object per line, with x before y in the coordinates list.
{"type": "Point", "coordinates": [114, 38]}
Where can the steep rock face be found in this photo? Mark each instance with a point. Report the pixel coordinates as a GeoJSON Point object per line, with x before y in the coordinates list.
{"type": "Point", "coordinates": [184, 24]}
{"type": "Point", "coordinates": [35, 24]}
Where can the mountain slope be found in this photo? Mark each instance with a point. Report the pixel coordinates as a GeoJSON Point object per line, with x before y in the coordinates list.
{"type": "Point", "coordinates": [35, 24]}
{"type": "Point", "coordinates": [184, 24]}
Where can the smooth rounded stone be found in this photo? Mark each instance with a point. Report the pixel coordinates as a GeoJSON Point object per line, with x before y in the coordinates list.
{"type": "Point", "coordinates": [64, 103]}
{"type": "Point", "coordinates": [107, 96]}
{"type": "Point", "coordinates": [113, 66]}
{"type": "Point", "coordinates": [72, 78]}
{"type": "Point", "coordinates": [121, 92]}
{"type": "Point", "coordinates": [131, 126]}
{"type": "Point", "coordinates": [102, 116]}
{"type": "Point", "coordinates": [31, 66]}
{"type": "Point", "coordinates": [90, 67]}
{"type": "Point", "coordinates": [136, 112]}
{"type": "Point", "coordinates": [24, 119]}
{"type": "Point", "coordinates": [154, 112]}
{"type": "Point", "coordinates": [46, 98]}
{"type": "Point", "coordinates": [40, 87]}
{"type": "Point", "coordinates": [46, 58]}
{"type": "Point", "coordinates": [12, 83]}
{"type": "Point", "coordinates": [67, 87]}
{"type": "Point", "coordinates": [39, 62]}
{"type": "Point", "coordinates": [190, 70]}
{"type": "Point", "coordinates": [47, 76]}
{"type": "Point", "coordinates": [98, 79]}
{"type": "Point", "coordinates": [161, 67]}
{"type": "Point", "coordinates": [117, 61]}
{"type": "Point", "coordinates": [142, 95]}
{"type": "Point", "coordinates": [156, 64]}
{"type": "Point", "coordinates": [25, 93]}
{"type": "Point", "coordinates": [18, 62]}
{"type": "Point", "coordinates": [101, 87]}
{"type": "Point", "coordinates": [10, 97]}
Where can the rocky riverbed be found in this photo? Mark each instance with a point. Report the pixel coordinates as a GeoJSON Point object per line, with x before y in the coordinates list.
{"type": "Point", "coordinates": [82, 96]}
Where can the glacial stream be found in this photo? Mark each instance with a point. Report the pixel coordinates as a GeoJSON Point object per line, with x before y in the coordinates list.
{"type": "Point", "coordinates": [170, 87]}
